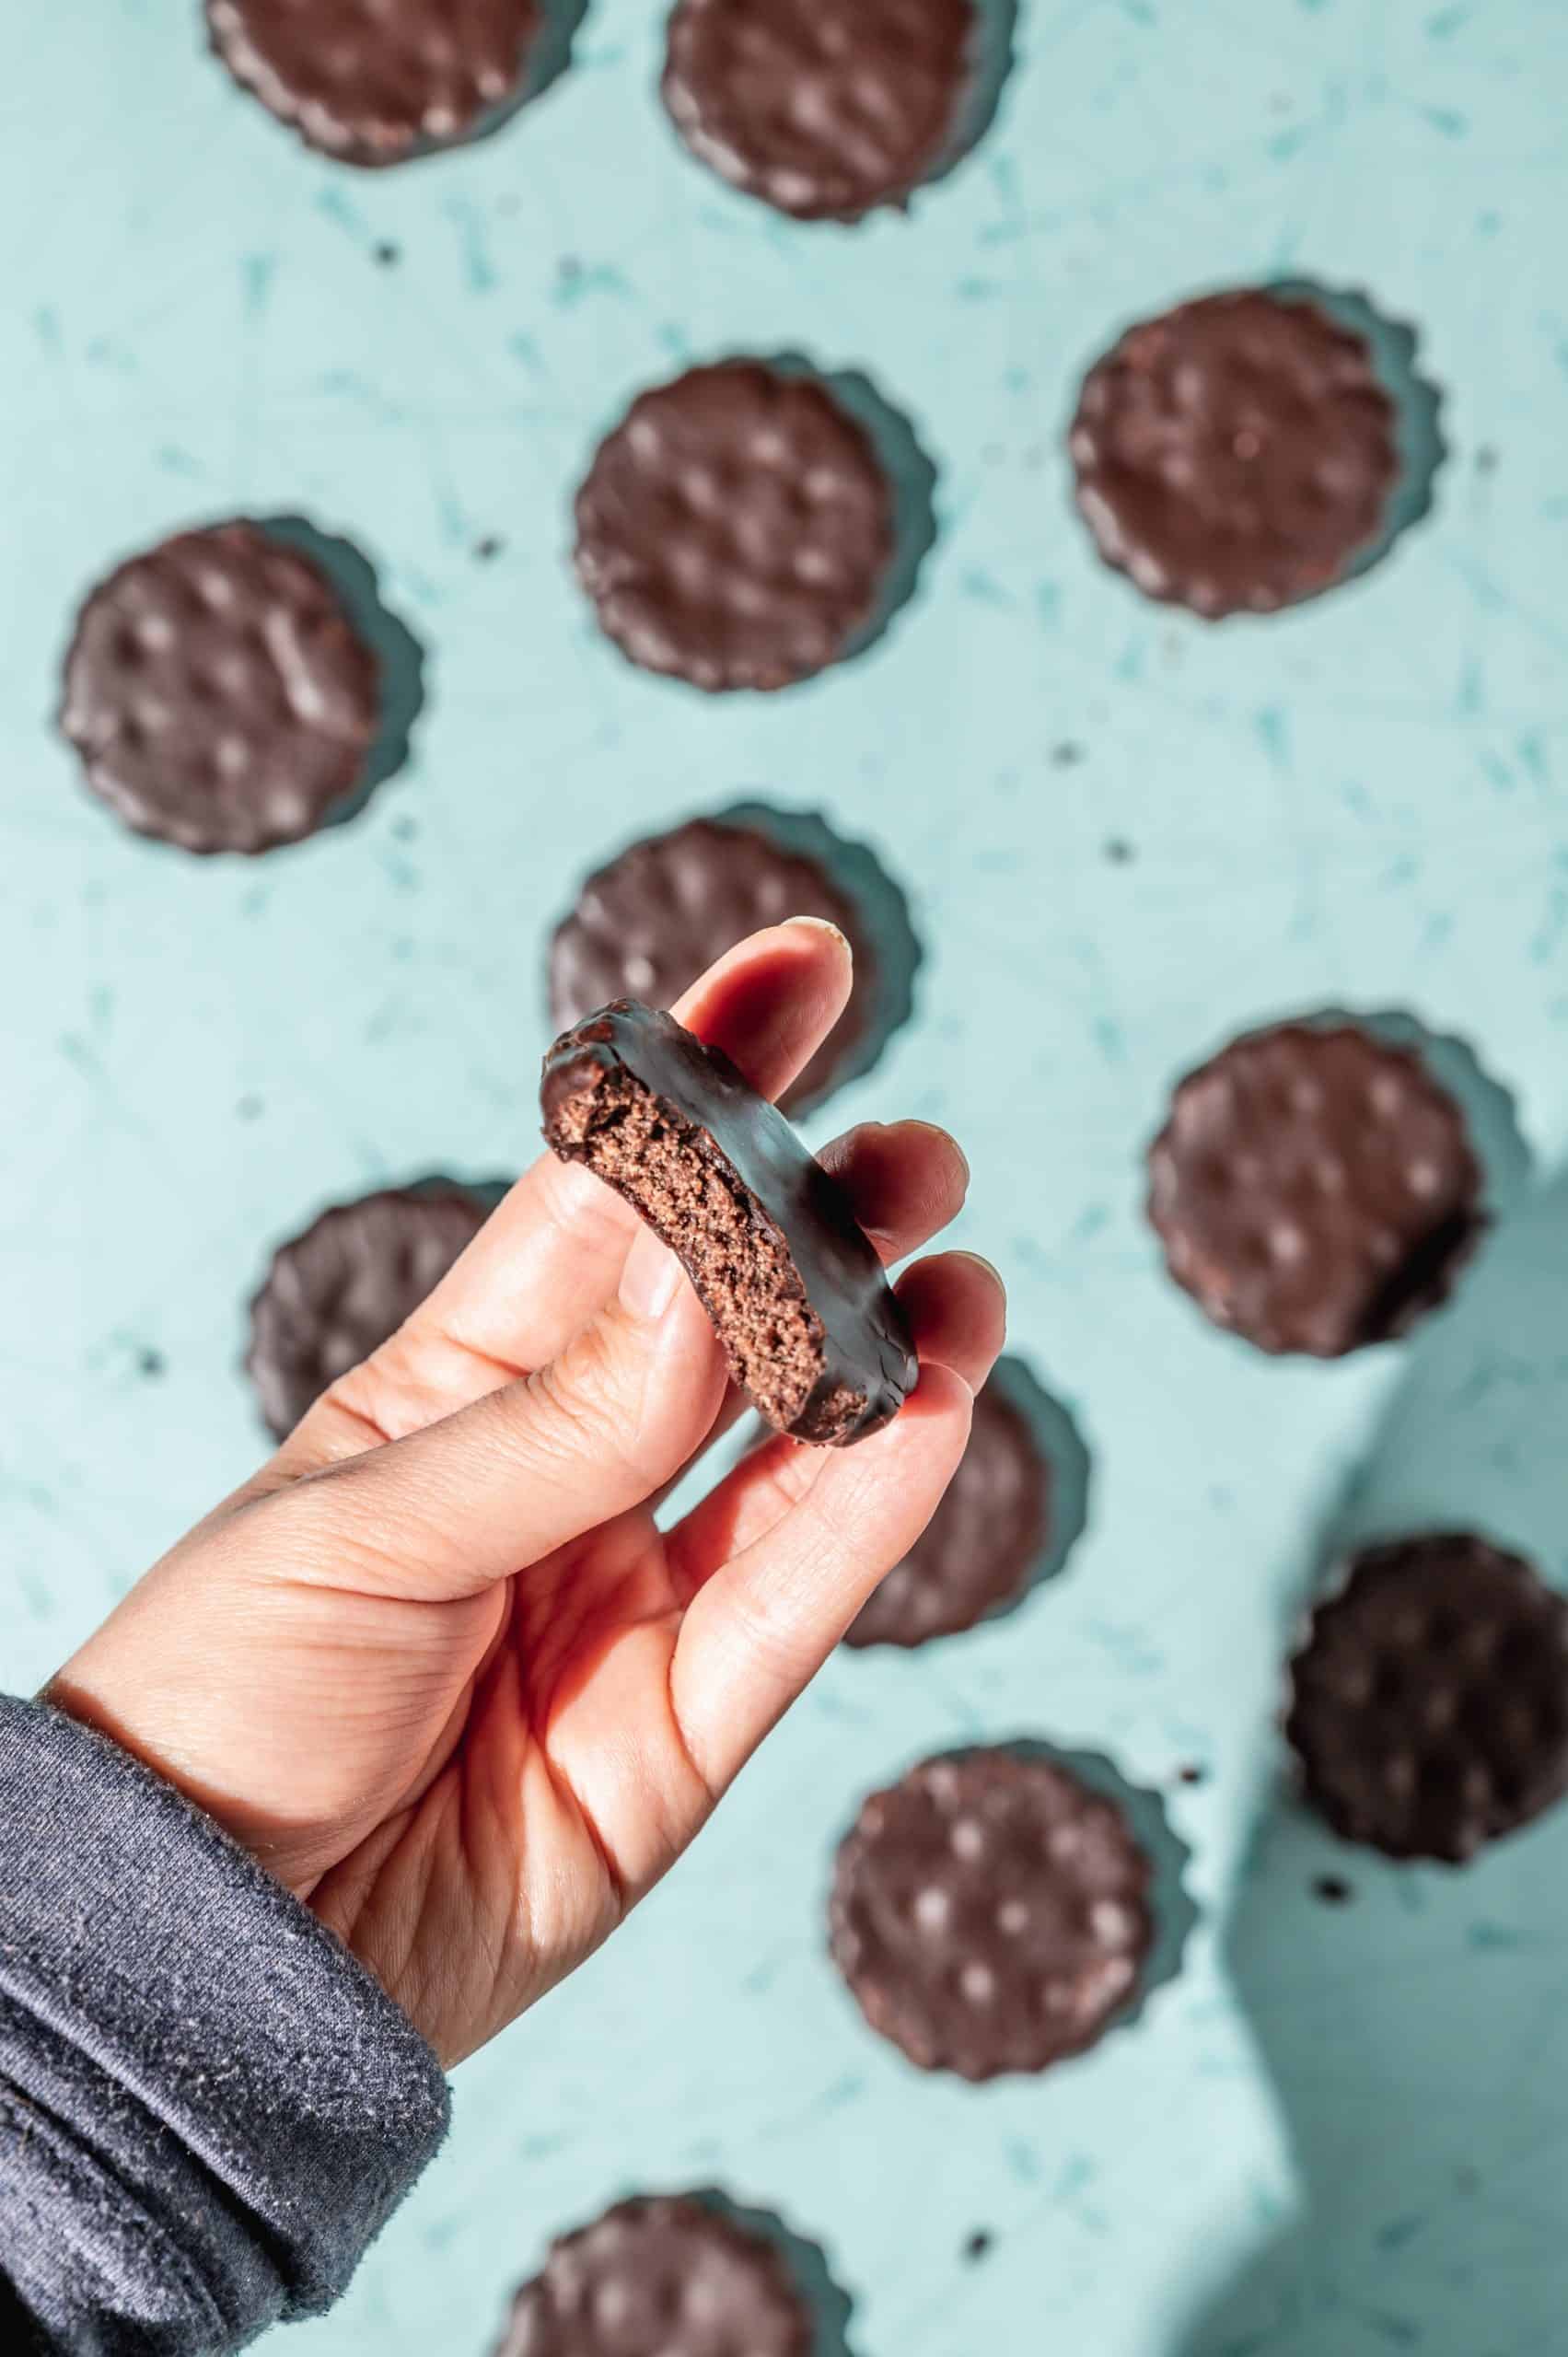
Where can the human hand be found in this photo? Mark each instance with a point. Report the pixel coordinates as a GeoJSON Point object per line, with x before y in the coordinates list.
{"type": "Point", "coordinates": [437, 1666]}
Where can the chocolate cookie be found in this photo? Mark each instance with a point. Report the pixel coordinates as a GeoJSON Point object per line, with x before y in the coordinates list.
{"type": "Point", "coordinates": [1315, 1188]}
{"type": "Point", "coordinates": [218, 693]}
{"type": "Point", "coordinates": [1237, 454]}
{"type": "Point", "coordinates": [1429, 1704]}
{"type": "Point", "coordinates": [990, 1914]}
{"type": "Point", "coordinates": [378, 81]}
{"type": "Point", "coordinates": [665, 2273]}
{"type": "Point", "coordinates": [808, 1322]}
{"type": "Point", "coordinates": [821, 107]}
{"type": "Point", "coordinates": [736, 529]}
{"type": "Point", "coordinates": [662, 911]}
{"type": "Point", "coordinates": [336, 1293]}
{"type": "Point", "coordinates": [981, 1545]}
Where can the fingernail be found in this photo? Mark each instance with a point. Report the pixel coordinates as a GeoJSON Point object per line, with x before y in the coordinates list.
{"type": "Point", "coordinates": [992, 1271]}
{"type": "Point", "coordinates": [821, 924]}
{"type": "Point", "coordinates": [651, 1278]}
{"type": "Point", "coordinates": [937, 1131]}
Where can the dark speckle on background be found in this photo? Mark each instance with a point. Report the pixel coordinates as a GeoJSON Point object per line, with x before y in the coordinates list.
{"type": "Point", "coordinates": [1333, 1890]}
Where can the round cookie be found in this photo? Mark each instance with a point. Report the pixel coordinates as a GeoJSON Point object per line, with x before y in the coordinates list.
{"type": "Point", "coordinates": [378, 81]}
{"type": "Point", "coordinates": [821, 107]}
{"type": "Point", "coordinates": [1315, 1188]}
{"type": "Point", "coordinates": [335, 1294]}
{"type": "Point", "coordinates": [735, 528]}
{"type": "Point", "coordinates": [979, 1546]}
{"type": "Point", "coordinates": [1429, 1703]}
{"type": "Point", "coordinates": [217, 692]}
{"type": "Point", "coordinates": [990, 1914]}
{"type": "Point", "coordinates": [660, 2273]}
{"type": "Point", "coordinates": [1237, 454]}
{"type": "Point", "coordinates": [657, 915]}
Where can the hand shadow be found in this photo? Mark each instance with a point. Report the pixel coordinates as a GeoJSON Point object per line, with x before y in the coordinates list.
{"type": "Point", "coordinates": [1412, 2018]}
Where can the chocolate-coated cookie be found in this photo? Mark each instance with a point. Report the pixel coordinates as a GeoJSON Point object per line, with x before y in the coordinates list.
{"type": "Point", "coordinates": [1315, 1188]}
{"type": "Point", "coordinates": [662, 2275]}
{"type": "Point", "coordinates": [662, 911]}
{"type": "Point", "coordinates": [376, 81]}
{"type": "Point", "coordinates": [1237, 454]}
{"type": "Point", "coordinates": [1429, 1704]}
{"type": "Point", "coordinates": [809, 1324]}
{"type": "Point", "coordinates": [735, 528]}
{"type": "Point", "coordinates": [821, 107]}
{"type": "Point", "coordinates": [333, 1293]}
{"type": "Point", "coordinates": [990, 1914]}
{"type": "Point", "coordinates": [979, 1546]}
{"type": "Point", "coordinates": [217, 692]}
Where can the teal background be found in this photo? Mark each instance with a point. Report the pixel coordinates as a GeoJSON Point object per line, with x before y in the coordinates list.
{"type": "Point", "coordinates": [1339, 2131]}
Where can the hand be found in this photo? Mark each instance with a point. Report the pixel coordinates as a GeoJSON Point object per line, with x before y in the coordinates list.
{"type": "Point", "coordinates": [436, 1666]}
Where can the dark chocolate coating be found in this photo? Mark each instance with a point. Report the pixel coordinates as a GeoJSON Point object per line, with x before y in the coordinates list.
{"type": "Point", "coordinates": [336, 1292]}
{"type": "Point", "coordinates": [660, 913]}
{"type": "Point", "coordinates": [1315, 1188]}
{"type": "Point", "coordinates": [1235, 453]}
{"type": "Point", "coordinates": [735, 528]}
{"type": "Point", "coordinates": [867, 1350]}
{"type": "Point", "coordinates": [990, 1914]}
{"type": "Point", "coordinates": [1429, 1704]}
{"type": "Point", "coordinates": [661, 2275]}
{"type": "Point", "coordinates": [373, 84]}
{"type": "Point", "coordinates": [218, 693]}
{"type": "Point", "coordinates": [821, 107]}
{"type": "Point", "coordinates": [979, 1546]}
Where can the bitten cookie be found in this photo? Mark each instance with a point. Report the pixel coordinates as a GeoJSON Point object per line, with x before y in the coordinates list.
{"type": "Point", "coordinates": [218, 693]}
{"type": "Point", "coordinates": [990, 1914]}
{"type": "Point", "coordinates": [378, 81]}
{"type": "Point", "coordinates": [1235, 453]}
{"type": "Point", "coordinates": [337, 1291]}
{"type": "Point", "coordinates": [1315, 1188]}
{"type": "Point", "coordinates": [1429, 1703]}
{"type": "Point", "coordinates": [821, 107]}
{"type": "Point", "coordinates": [735, 528]}
{"type": "Point", "coordinates": [809, 1325]}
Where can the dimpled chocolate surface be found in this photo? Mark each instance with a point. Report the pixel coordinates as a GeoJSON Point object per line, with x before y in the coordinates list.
{"type": "Point", "coordinates": [734, 530]}
{"type": "Point", "coordinates": [656, 916]}
{"type": "Point", "coordinates": [1315, 1188]}
{"type": "Point", "coordinates": [748, 1167]}
{"type": "Point", "coordinates": [990, 1914]}
{"type": "Point", "coordinates": [1235, 453]}
{"type": "Point", "coordinates": [659, 2276]}
{"type": "Point", "coordinates": [336, 1293]}
{"type": "Point", "coordinates": [376, 81]}
{"type": "Point", "coordinates": [218, 693]}
{"type": "Point", "coordinates": [822, 108]}
{"type": "Point", "coordinates": [979, 1546]}
{"type": "Point", "coordinates": [1429, 1704]}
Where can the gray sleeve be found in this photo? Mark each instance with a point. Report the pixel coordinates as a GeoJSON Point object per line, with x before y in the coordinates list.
{"type": "Point", "coordinates": [207, 2106]}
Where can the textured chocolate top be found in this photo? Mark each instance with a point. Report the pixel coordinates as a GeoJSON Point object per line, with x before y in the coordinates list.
{"type": "Point", "coordinates": [1237, 453]}
{"type": "Point", "coordinates": [1315, 1188]}
{"type": "Point", "coordinates": [867, 1353]}
{"type": "Point", "coordinates": [979, 1546]}
{"type": "Point", "coordinates": [1429, 1705]}
{"type": "Point", "coordinates": [822, 108]}
{"type": "Point", "coordinates": [659, 2276]}
{"type": "Point", "coordinates": [989, 1913]}
{"type": "Point", "coordinates": [662, 911]}
{"type": "Point", "coordinates": [336, 1293]}
{"type": "Point", "coordinates": [378, 81]}
{"type": "Point", "coordinates": [736, 527]}
{"type": "Point", "coordinates": [218, 693]}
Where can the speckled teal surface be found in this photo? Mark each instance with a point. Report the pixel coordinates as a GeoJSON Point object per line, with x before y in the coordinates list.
{"type": "Point", "coordinates": [1342, 2131]}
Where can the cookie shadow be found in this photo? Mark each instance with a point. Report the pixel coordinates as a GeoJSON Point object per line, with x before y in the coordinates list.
{"type": "Point", "coordinates": [1406, 2014]}
{"type": "Point", "coordinates": [399, 654]}
{"type": "Point", "coordinates": [911, 479]}
{"type": "Point", "coordinates": [1418, 405]}
{"type": "Point", "coordinates": [993, 54]}
{"type": "Point", "coordinates": [882, 912]}
{"type": "Point", "coordinates": [1056, 1434]}
{"type": "Point", "coordinates": [830, 2305]}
